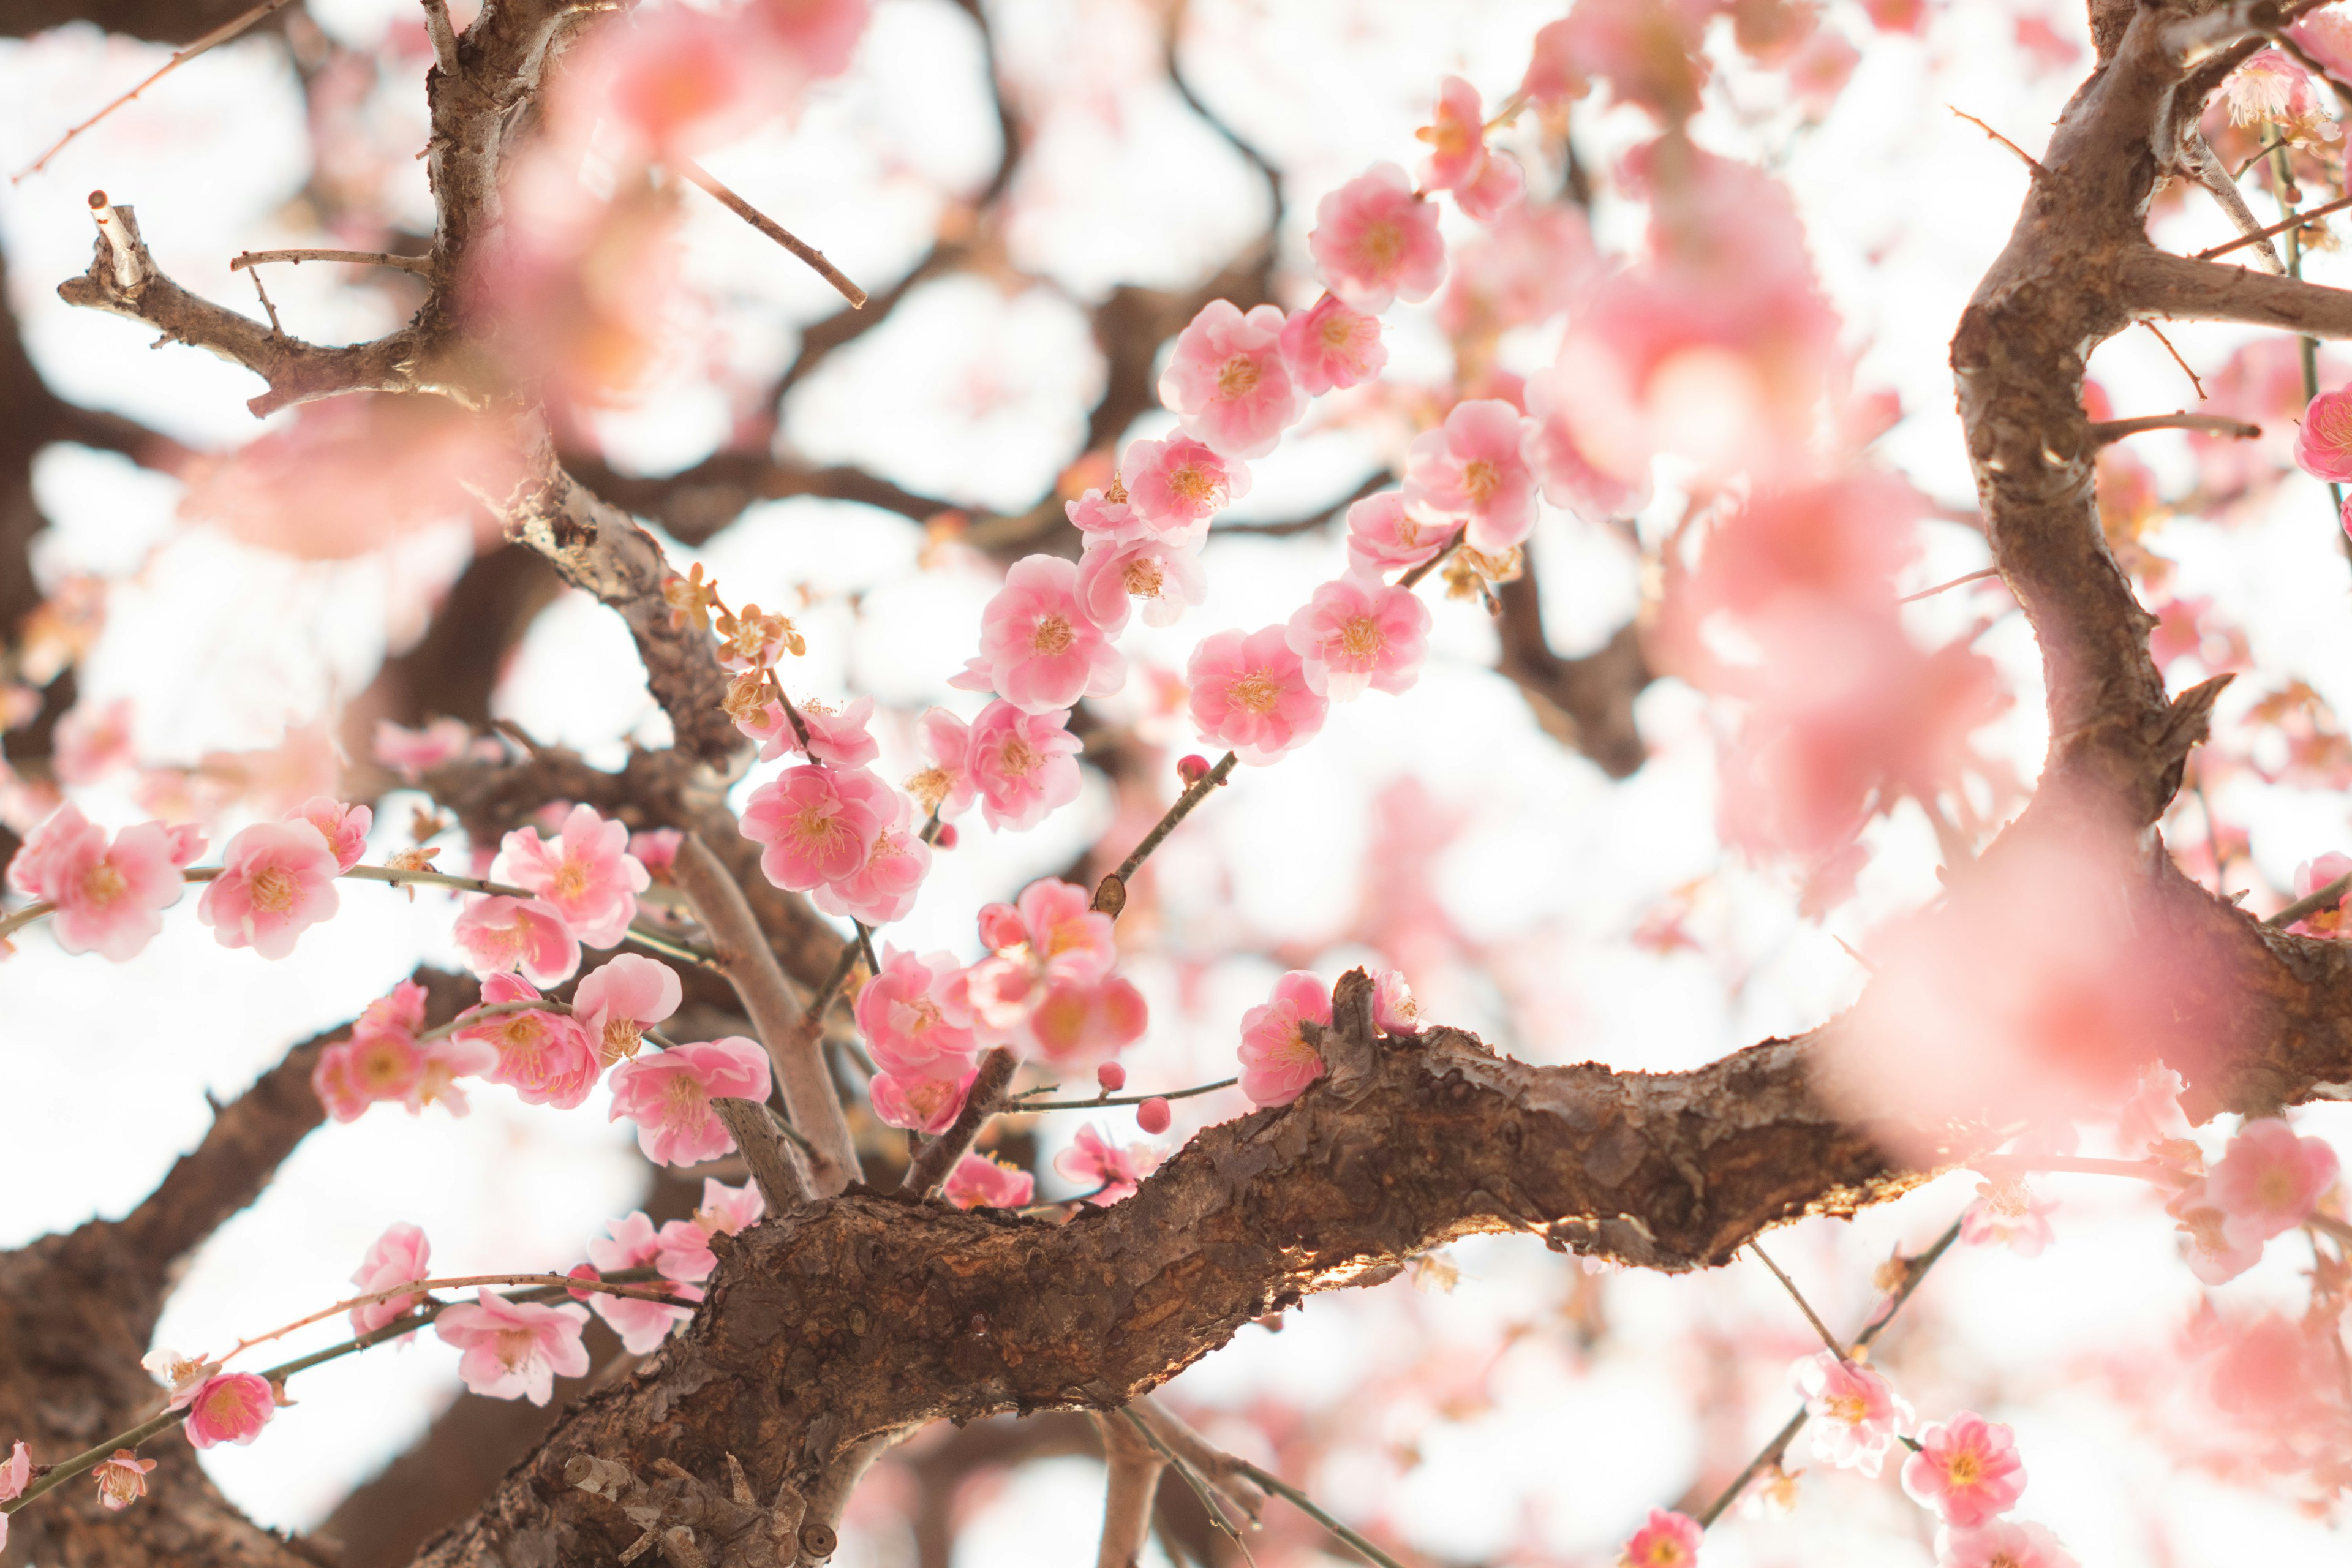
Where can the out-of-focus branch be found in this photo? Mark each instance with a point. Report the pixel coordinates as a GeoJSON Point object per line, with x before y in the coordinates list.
{"type": "Point", "coordinates": [1586, 704]}
{"type": "Point", "coordinates": [1133, 1468]}
{"type": "Point", "coordinates": [696, 502]}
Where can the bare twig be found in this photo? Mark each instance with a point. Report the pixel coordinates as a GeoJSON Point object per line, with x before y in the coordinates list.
{"type": "Point", "coordinates": [764, 1150]}
{"type": "Point", "coordinates": [2030, 161]}
{"type": "Point", "coordinates": [1412, 578]}
{"type": "Point", "coordinates": [1110, 895]}
{"type": "Point", "coordinates": [1976, 576]}
{"type": "Point", "coordinates": [2316, 899]}
{"type": "Point", "coordinates": [2293, 221]}
{"type": "Point", "coordinates": [1803, 1306]}
{"type": "Point", "coordinates": [2216, 179]}
{"type": "Point", "coordinates": [1110, 1100]}
{"type": "Point", "coordinates": [2106, 430]}
{"type": "Point", "coordinates": [417, 264]}
{"type": "Point", "coordinates": [2193, 380]}
{"type": "Point", "coordinates": [773, 230]}
{"type": "Point", "coordinates": [937, 1160]}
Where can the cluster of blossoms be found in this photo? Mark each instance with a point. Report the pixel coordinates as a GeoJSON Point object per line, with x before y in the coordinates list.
{"type": "Point", "coordinates": [1279, 1054]}
{"type": "Point", "coordinates": [2268, 1182]}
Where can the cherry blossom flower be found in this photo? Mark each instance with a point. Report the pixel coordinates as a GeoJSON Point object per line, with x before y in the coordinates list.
{"type": "Point", "coordinates": [981, 1181]}
{"type": "Point", "coordinates": [1572, 476]}
{"type": "Point", "coordinates": [91, 740]}
{"type": "Point", "coordinates": [1059, 927]}
{"type": "Point", "coordinates": [502, 935]}
{"type": "Point", "coordinates": [1473, 470]}
{"type": "Point", "coordinates": [16, 1474]}
{"type": "Point", "coordinates": [1495, 190]}
{"type": "Point", "coordinates": [1667, 1540]}
{"type": "Point", "coordinates": [2269, 1180]}
{"type": "Point", "coordinates": [2001, 1543]}
{"type": "Point", "coordinates": [2324, 447]}
{"type": "Point", "coordinates": [1251, 693]}
{"type": "Point", "coordinates": [668, 1097]}
{"type": "Point", "coordinates": [1353, 634]}
{"type": "Point", "coordinates": [945, 788]}
{"type": "Point", "coordinates": [227, 1408]}
{"type": "Point", "coordinates": [1966, 1470]}
{"type": "Point", "coordinates": [1039, 649]}
{"type": "Point", "coordinates": [1384, 537]}
{"type": "Point", "coordinates": [2152, 1119]}
{"type": "Point", "coordinates": [819, 824]}
{"type": "Point", "coordinates": [398, 1257]}
{"type": "Point", "coordinates": [548, 1058]}
{"type": "Point", "coordinates": [618, 1000]}
{"type": "Point", "coordinates": [2270, 88]}
{"type": "Point", "coordinates": [674, 81]}
{"type": "Point", "coordinates": [1456, 135]}
{"type": "Point", "coordinates": [1394, 1009]}
{"type": "Point", "coordinates": [444, 1063]}
{"type": "Point", "coordinates": [1099, 512]}
{"type": "Point", "coordinates": [1074, 1021]}
{"type": "Point", "coordinates": [921, 1103]}
{"type": "Point", "coordinates": [818, 35]}
{"type": "Point", "coordinates": [373, 1065]}
{"type": "Point", "coordinates": [1228, 382]}
{"type": "Point", "coordinates": [2309, 878]}
{"type": "Point", "coordinates": [1331, 346]}
{"type": "Point", "coordinates": [1024, 765]}
{"type": "Point", "coordinates": [344, 827]}
{"type": "Point", "coordinates": [1163, 573]}
{"type": "Point", "coordinates": [899, 1014]}
{"type": "Point", "coordinates": [122, 1479]}
{"type": "Point", "coordinates": [587, 876]}
{"type": "Point", "coordinates": [1553, 79]}
{"type": "Point", "coordinates": [882, 889]}
{"type": "Point", "coordinates": [2008, 1214]}
{"type": "Point", "coordinates": [110, 898]}
{"type": "Point", "coordinates": [1106, 1172]}
{"type": "Point", "coordinates": [1174, 487]}
{"type": "Point", "coordinates": [1277, 1061]}
{"type": "Point", "coordinates": [633, 1242]}
{"type": "Point", "coordinates": [840, 738]}
{"type": "Point", "coordinates": [277, 879]}
{"type": "Point", "coordinates": [1857, 1416]}
{"type": "Point", "coordinates": [1375, 242]}
{"type": "Point", "coordinates": [2217, 1251]}
{"type": "Point", "coordinates": [412, 753]}
{"type": "Point", "coordinates": [656, 850]}
{"type": "Point", "coordinates": [514, 1349]}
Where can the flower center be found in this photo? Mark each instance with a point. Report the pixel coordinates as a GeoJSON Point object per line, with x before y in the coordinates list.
{"type": "Point", "coordinates": [516, 1347]}
{"type": "Point", "coordinates": [1382, 243]}
{"type": "Point", "coordinates": [1052, 635]}
{"type": "Point", "coordinates": [1963, 1468]}
{"type": "Point", "coordinates": [1194, 485]}
{"type": "Point", "coordinates": [1237, 377]}
{"type": "Point", "coordinates": [1850, 1408]}
{"type": "Point", "coordinates": [381, 1066]}
{"type": "Point", "coordinates": [1145, 577]}
{"type": "Point", "coordinates": [1018, 757]}
{"type": "Point", "coordinates": [2274, 1189]}
{"type": "Point", "coordinates": [815, 828]}
{"type": "Point", "coordinates": [930, 788]}
{"type": "Point", "coordinates": [687, 1104]}
{"type": "Point", "coordinates": [623, 1038]}
{"type": "Point", "coordinates": [1339, 334]}
{"type": "Point", "coordinates": [103, 884]}
{"type": "Point", "coordinates": [1256, 692]}
{"type": "Point", "coordinates": [274, 889]}
{"type": "Point", "coordinates": [1360, 639]}
{"type": "Point", "coordinates": [570, 879]}
{"type": "Point", "coordinates": [1480, 479]}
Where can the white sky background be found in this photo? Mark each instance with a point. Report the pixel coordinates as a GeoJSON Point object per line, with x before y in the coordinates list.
{"type": "Point", "coordinates": [979, 394]}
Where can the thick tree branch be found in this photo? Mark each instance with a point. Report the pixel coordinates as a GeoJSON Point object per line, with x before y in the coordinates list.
{"type": "Point", "coordinates": [1133, 1468]}
{"type": "Point", "coordinates": [2157, 283]}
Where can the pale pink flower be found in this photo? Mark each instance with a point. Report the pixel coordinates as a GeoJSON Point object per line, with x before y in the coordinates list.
{"type": "Point", "coordinates": [1473, 470]}
{"type": "Point", "coordinates": [1106, 1172]}
{"type": "Point", "coordinates": [1572, 476]}
{"type": "Point", "coordinates": [1039, 649]}
{"type": "Point", "coordinates": [1384, 537]}
{"type": "Point", "coordinates": [1165, 574]}
{"type": "Point", "coordinates": [1228, 382]}
{"type": "Point", "coordinates": [1024, 765]}
{"type": "Point", "coordinates": [1666, 1539]}
{"type": "Point", "coordinates": [819, 824]}
{"type": "Point", "coordinates": [184, 841]}
{"type": "Point", "coordinates": [2268, 1180]}
{"type": "Point", "coordinates": [587, 876]}
{"type": "Point", "coordinates": [2216, 1250]}
{"type": "Point", "coordinates": [1499, 184]}
{"type": "Point", "coordinates": [1394, 1009]}
{"type": "Point", "coordinates": [548, 1058]}
{"type": "Point", "coordinates": [500, 935]}
{"type": "Point", "coordinates": [398, 1257]}
{"type": "Point", "coordinates": [1060, 927]}
{"type": "Point", "coordinates": [227, 1408]}
{"type": "Point", "coordinates": [1966, 1470]}
{"type": "Point", "coordinates": [1251, 693]}
{"type": "Point", "coordinates": [1375, 242]}
{"type": "Point", "coordinates": [410, 752]}
{"type": "Point", "coordinates": [683, 1251]}
{"type": "Point", "coordinates": [1176, 485]}
{"type": "Point", "coordinates": [837, 739]}
{"type": "Point", "coordinates": [1857, 1416]}
{"type": "Point", "coordinates": [1353, 634]}
{"type": "Point", "coordinates": [401, 1008]}
{"type": "Point", "coordinates": [2324, 448]}
{"type": "Point", "coordinates": [2001, 1543]}
{"type": "Point", "coordinates": [1074, 1021]}
{"type": "Point", "coordinates": [920, 1102]}
{"type": "Point", "coordinates": [16, 1474]}
{"type": "Point", "coordinates": [980, 1181]}
{"type": "Point", "coordinates": [642, 1324]}
{"type": "Point", "coordinates": [1094, 512]}
{"type": "Point", "coordinates": [656, 850]}
{"type": "Point", "coordinates": [1332, 345]}
{"type": "Point", "coordinates": [381, 1061]}
{"type": "Point", "coordinates": [2008, 1214]}
{"type": "Point", "coordinates": [882, 889]}
{"type": "Point", "coordinates": [344, 827]}
{"type": "Point", "coordinates": [668, 1097]}
{"type": "Point", "coordinates": [277, 879]}
{"type": "Point", "coordinates": [181, 1375]}
{"type": "Point", "coordinates": [91, 740]}
{"type": "Point", "coordinates": [618, 1000]}
{"type": "Point", "coordinates": [675, 81]}
{"type": "Point", "coordinates": [2270, 86]}
{"type": "Point", "coordinates": [2151, 1120]}
{"type": "Point", "coordinates": [2309, 878]}
{"type": "Point", "coordinates": [899, 1013]}
{"type": "Point", "coordinates": [444, 1063]}
{"type": "Point", "coordinates": [110, 898]}
{"type": "Point", "coordinates": [121, 1481]}
{"type": "Point", "coordinates": [819, 37]}
{"type": "Point", "coordinates": [1456, 135]}
{"type": "Point", "coordinates": [945, 788]}
{"type": "Point", "coordinates": [1277, 1060]}
{"type": "Point", "coordinates": [514, 1349]}
{"type": "Point", "coordinates": [332, 1081]}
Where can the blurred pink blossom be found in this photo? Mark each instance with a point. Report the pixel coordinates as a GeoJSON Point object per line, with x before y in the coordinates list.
{"type": "Point", "coordinates": [1856, 1414]}
{"type": "Point", "coordinates": [91, 740]}
{"type": "Point", "coordinates": [1106, 1172]}
{"type": "Point", "coordinates": [2001, 1543]}
{"type": "Point", "coordinates": [2270, 1181]}
{"type": "Point", "coordinates": [1666, 1539]}
{"type": "Point", "coordinates": [398, 1257]}
{"type": "Point", "coordinates": [981, 1181]}
{"type": "Point", "coordinates": [344, 827]}
{"type": "Point", "coordinates": [410, 752]}
{"type": "Point", "coordinates": [1375, 242]}
{"type": "Point", "coordinates": [2008, 1214]}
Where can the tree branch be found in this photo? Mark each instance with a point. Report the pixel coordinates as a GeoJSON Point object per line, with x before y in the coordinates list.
{"type": "Point", "coordinates": [938, 1158]}
{"type": "Point", "coordinates": [2155, 282]}
{"type": "Point", "coordinates": [1133, 1479]}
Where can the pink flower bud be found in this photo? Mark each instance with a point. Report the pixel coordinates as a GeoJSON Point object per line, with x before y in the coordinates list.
{"type": "Point", "coordinates": [946, 838]}
{"type": "Point", "coordinates": [583, 1271]}
{"type": "Point", "coordinates": [1112, 1076]}
{"type": "Point", "coordinates": [1153, 1116]}
{"type": "Point", "coordinates": [1192, 769]}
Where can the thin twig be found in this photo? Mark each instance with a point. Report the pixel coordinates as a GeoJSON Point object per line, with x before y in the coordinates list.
{"type": "Point", "coordinates": [1412, 578]}
{"type": "Point", "coordinates": [1976, 576]}
{"type": "Point", "coordinates": [250, 259]}
{"type": "Point", "coordinates": [2030, 162]}
{"type": "Point", "coordinates": [1193, 1478]}
{"type": "Point", "coordinates": [1306, 1505]}
{"type": "Point", "coordinates": [1018, 1108]}
{"type": "Point", "coordinates": [1110, 895]}
{"type": "Point", "coordinates": [1803, 1306]}
{"type": "Point", "coordinates": [263, 295]}
{"type": "Point", "coordinates": [2106, 430]}
{"type": "Point", "coordinates": [2295, 220]}
{"type": "Point", "coordinates": [2311, 903]}
{"type": "Point", "coordinates": [773, 230]}
{"type": "Point", "coordinates": [2175, 353]}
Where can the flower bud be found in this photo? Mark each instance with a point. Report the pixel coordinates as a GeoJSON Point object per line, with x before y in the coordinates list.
{"type": "Point", "coordinates": [946, 838]}
{"type": "Point", "coordinates": [1112, 1076]}
{"type": "Point", "coordinates": [1153, 1116]}
{"type": "Point", "coordinates": [1192, 769]}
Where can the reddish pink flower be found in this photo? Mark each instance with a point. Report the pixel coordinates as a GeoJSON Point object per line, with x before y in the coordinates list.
{"type": "Point", "coordinates": [1966, 1470]}
{"type": "Point", "coordinates": [728, 1210]}
{"type": "Point", "coordinates": [1277, 1060]}
{"type": "Point", "coordinates": [1332, 345]}
{"type": "Point", "coordinates": [1375, 242]}
{"type": "Point", "coordinates": [2001, 1543]}
{"type": "Point", "coordinates": [668, 1097]}
{"type": "Point", "coordinates": [818, 35]}
{"type": "Point", "coordinates": [1473, 470]}
{"type": "Point", "coordinates": [444, 1063]}
{"type": "Point", "coordinates": [1384, 537]}
{"type": "Point", "coordinates": [1106, 1172]}
{"type": "Point", "coordinates": [2269, 1180]}
{"type": "Point", "coordinates": [1394, 1009]}
{"type": "Point", "coordinates": [1668, 1539]}
{"type": "Point", "coordinates": [502, 935]}
{"type": "Point", "coordinates": [883, 889]}
{"type": "Point", "coordinates": [945, 788]}
{"type": "Point", "coordinates": [2007, 1213]}
{"type": "Point", "coordinates": [656, 850]}
{"type": "Point", "coordinates": [1857, 1416]}
{"type": "Point", "coordinates": [382, 1061]}
{"type": "Point", "coordinates": [410, 752]}
{"type": "Point", "coordinates": [1353, 634]}
{"type": "Point", "coordinates": [904, 1024]}
{"type": "Point", "coordinates": [344, 827]}
{"type": "Point", "coordinates": [919, 1101]}
{"type": "Point", "coordinates": [1024, 765]}
{"type": "Point", "coordinates": [980, 1181]}
{"type": "Point", "coordinates": [642, 1324]}
{"type": "Point", "coordinates": [110, 898]}
{"type": "Point", "coordinates": [1060, 928]}
{"type": "Point", "coordinates": [514, 1349]}
{"type": "Point", "coordinates": [227, 1408]}
{"type": "Point", "coordinates": [1074, 1021]}
{"type": "Point", "coordinates": [837, 739]}
{"type": "Point", "coordinates": [819, 824]}
{"type": "Point", "coordinates": [1163, 573]}
{"type": "Point", "coordinates": [548, 1058]}
{"type": "Point", "coordinates": [1228, 382]}
{"type": "Point", "coordinates": [587, 876]}
{"type": "Point", "coordinates": [121, 1481]}
{"type": "Point", "coordinates": [1251, 693]}
{"type": "Point", "coordinates": [1039, 649]}
{"type": "Point", "coordinates": [1174, 487]}
{"type": "Point", "coordinates": [617, 1000]}
{"type": "Point", "coordinates": [2309, 878]}
{"type": "Point", "coordinates": [398, 1257]}
{"type": "Point", "coordinates": [91, 740]}
{"type": "Point", "coordinates": [277, 879]}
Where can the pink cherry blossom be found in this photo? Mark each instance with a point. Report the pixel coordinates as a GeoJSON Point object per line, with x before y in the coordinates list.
{"type": "Point", "coordinates": [277, 879]}
{"type": "Point", "coordinates": [1667, 1540]}
{"type": "Point", "coordinates": [1176, 485]}
{"type": "Point", "coordinates": [1098, 512]}
{"type": "Point", "coordinates": [1571, 475]}
{"type": "Point", "coordinates": [1277, 1060]}
{"type": "Point", "coordinates": [2309, 878]}
{"type": "Point", "coordinates": [945, 788]}
{"type": "Point", "coordinates": [1966, 1470]}
{"type": "Point", "coordinates": [2008, 1214]}
{"type": "Point", "coordinates": [1024, 765]}
{"type": "Point", "coordinates": [1497, 190]}
{"type": "Point", "coordinates": [122, 1479]}
{"type": "Point", "coordinates": [398, 1257]}
{"type": "Point", "coordinates": [1110, 1077]}
{"type": "Point", "coordinates": [110, 898]}
{"type": "Point", "coordinates": [502, 935]}
{"type": "Point", "coordinates": [1105, 1172]}
{"type": "Point", "coordinates": [91, 740]}
{"type": "Point", "coordinates": [1394, 1009]}
{"type": "Point", "coordinates": [1061, 928]}
{"type": "Point", "coordinates": [1353, 634]}
{"type": "Point", "coordinates": [1473, 470]}
{"type": "Point", "coordinates": [683, 1251]}
{"type": "Point", "coordinates": [2324, 448]}
{"type": "Point", "coordinates": [837, 739]}
{"type": "Point", "coordinates": [344, 827]}
{"type": "Point", "coordinates": [980, 1181]}
{"type": "Point", "coordinates": [1375, 242]}
{"type": "Point", "coordinates": [548, 1058]}
{"type": "Point", "coordinates": [587, 876]}
{"type": "Point", "coordinates": [899, 1013]}
{"type": "Point", "coordinates": [656, 850]}
{"type": "Point", "coordinates": [2001, 1543]}
{"type": "Point", "coordinates": [1250, 693]}
{"type": "Point", "coordinates": [1074, 1021]}
{"type": "Point", "coordinates": [2269, 1180]}
{"type": "Point", "coordinates": [17, 1473]}
{"type": "Point", "coordinates": [1856, 1414]}
{"type": "Point", "coordinates": [819, 37]}
{"type": "Point", "coordinates": [514, 1349]}
{"type": "Point", "coordinates": [227, 1408]}
{"type": "Point", "coordinates": [618, 1000]}
{"type": "Point", "coordinates": [921, 1103]}
{"type": "Point", "coordinates": [1228, 382]}
{"type": "Point", "coordinates": [2216, 1250]}
{"type": "Point", "coordinates": [668, 1097]}
{"type": "Point", "coordinates": [1332, 345]}
{"type": "Point", "coordinates": [1456, 135]}
{"type": "Point", "coordinates": [410, 752]}
{"type": "Point", "coordinates": [633, 1242]}
{"type": "Point", "coordinates": [819, 824]}
{"type": "Point", "coordinates": [184, 841]}
{"type": "Point", "coordinates": [1165, 573]}
{"type": "Point", "coordinates": [1384, 537]}
{"type": "Point", "coordinates": [882, 889]}
{"type": "Point", "coordinates": [444, 1062]}
{"type": "Point", "coordinates": [373, 1065]}
{"type": "Point", "coordinates": [1039, 649]}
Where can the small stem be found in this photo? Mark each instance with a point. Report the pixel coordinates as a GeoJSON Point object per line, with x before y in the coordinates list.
{"type": "Point", "coordinates": [866, 946]}
{"type": "Point", "coordinates": [417, 264]}
{"type": "Point", "coordinates": [1803, 1306]}
{"type": "Point", "coordinates": [615, 1285]}
{"type": "Point", "coordinates": [1306, 1505]}
{"type": "Point", "coordinates": [1017, 1108]}
{"type": "Point", "coordinates": [2310, 903]}
{"type": "Point", "coordinates": [1110, 897]}
{"type": "Point", "coordinates": [1193, 1478]}
{"type": "Point", "coordinates": [1976, 576]}
{"type": "Point", "coordinates": [1412, 578]}
{"type": "Point", "coordinates": [485, 1010]}
{"type": "Point", "coordinates": [2105, 431]}
{"type": "Point", "coordinates": [2293, 221]}
{"type": "Point", "coordinates": [773, 230]}
{"type": "Point", "coordinates": [938, 1158]}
